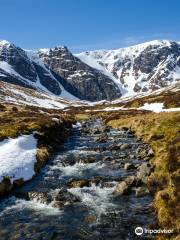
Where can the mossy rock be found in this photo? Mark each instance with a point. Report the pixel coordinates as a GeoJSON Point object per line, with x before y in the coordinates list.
{"type": "Point", "coordinates": [5, 186]}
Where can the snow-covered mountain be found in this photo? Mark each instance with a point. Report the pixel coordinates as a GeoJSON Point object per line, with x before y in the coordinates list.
{"type": "Point", "coordinates": [140, 68]}
{"type": "Point", "coordinates": [56, 71]}
{"type": "Point", "coordinates": [92, 75]}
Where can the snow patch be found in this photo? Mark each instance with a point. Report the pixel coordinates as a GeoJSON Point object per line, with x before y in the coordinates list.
{"type": "Point", "coordinates": [157, 107]}
{"type": "Point", "coordinates": [17, 157]}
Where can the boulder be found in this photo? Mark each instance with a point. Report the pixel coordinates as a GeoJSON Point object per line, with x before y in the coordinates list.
{"type": "Point", "coordinates": [115, 146]}
{"type": "Point", "coordinates": [107, 129]}
{"type": "Point", "coordinates": [107, 158]}
{"type": "Point", "coordinates": [124, 187]}
{"type": "Point", "coordinates": [5, 186]}
{"type": "Point", "coordinates": [42, 197]}
{"type": "Point", "coordinates": [144, 171]}
{"type": "Point", "coordinates": [141, 191]}
{"type": "Point", "coordinates": [131, 181]}
{"type": "Point", "coordinates": [18, 182]}
{"type": "Point", "coordinates": [79, 183]}
{"type": "Point", "coordinates": [102, 139]}
{"type": "Point", "coordinates": [63, 198]}
{"type": "Point", "coordinates": [125, 146]}
{"type": "Point", "coordinates": [124, 129]}
{"type": "Point", "coordinates": [96, 131]}
{"type": "Point", "coordinates": [150, 153]}
{"type": "Point", "coordinates": [129, 166]}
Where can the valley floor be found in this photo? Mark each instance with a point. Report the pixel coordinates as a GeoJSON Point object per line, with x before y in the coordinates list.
{"type": "Point", "coordinates": [154, 120]}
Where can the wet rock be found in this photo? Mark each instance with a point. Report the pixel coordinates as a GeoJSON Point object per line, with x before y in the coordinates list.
{"type": "Point", "coordinates": [115, 147]}
{"type": "Point", "coordinates": [144, 171]}
{"type": "Point", "coordinates": [98, 180]}
{"type": "Point", "coordinates": [141, 191]}
{"type": "Point", "coordinates": [38, 135]}
{"type": "Point", "coordinates": [124, 187]}
{"type": "Point", "coordinates": [18, 182]}
{"type": "Point", "coordinates": [123, 156]}
{"type": "Point", "coordinates": [63, 198]}
{"type": "Point", "coordinates": [85, 130]}
{"type": "Point", "coordinates": [90, 219]}
{"type": "Point", "coordinates": [142, 153]}
{"type": "Point", "coordinates": [107, 158]}
{"type": "Point", "coordinates": [42, 197]}
{"type": "Point", "coordinates": [102, 139]}
{"type": "Point", "coordinates": [125, 129]}
{"type": "Point", "coordinates": [107, 129]}
{"type": "Point", "coordinates": [150, 153]}
{"type": "Point", "coordinates": [131, 132]}
{"type": "Point", "coordinates": [125, 146]}
{"type": "Point", "coordinates": [129, 166]}
{"type": "Point", "coordinates": [79, 183]}
{"type": "Point", "coordinates": [146, 159]}
{"type": "Point", "coordinates": [5, 186]}
{"type": "Point", "coordinates": [96, 131]}
{"type": "Point", "coordinates": [57, 120]}
{"type": "Point", "coordinates": [131, 180]}
{"type": "Point", "coordinates": [88, 160]}
{"type": "Point", "coordinates": [114, 161]}
{"type": "Point", "coordinates": [69, 161]}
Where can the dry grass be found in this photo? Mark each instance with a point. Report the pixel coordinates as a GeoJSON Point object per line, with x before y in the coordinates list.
{"type": "Point", "coordinates": [82, 116]}
{"type": "Point", "coordinates": [16, 120]}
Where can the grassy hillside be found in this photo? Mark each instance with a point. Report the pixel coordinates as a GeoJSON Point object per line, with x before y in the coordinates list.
{"type": "Point", "coordinates": [19, 119]}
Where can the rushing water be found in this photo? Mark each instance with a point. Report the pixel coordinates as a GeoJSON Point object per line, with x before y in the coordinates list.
{"type": "Point", "coordinates": [97, 214]}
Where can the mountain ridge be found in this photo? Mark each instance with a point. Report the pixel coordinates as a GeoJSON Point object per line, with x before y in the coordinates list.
{"type": "Point", "coordinates": [92, 75]}
{"type": "Point", "coordinates": [126, 64]}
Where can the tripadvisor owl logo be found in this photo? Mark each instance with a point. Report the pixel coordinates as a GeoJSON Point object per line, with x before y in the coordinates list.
{"type": "Point", "coordinates": [139, 231]}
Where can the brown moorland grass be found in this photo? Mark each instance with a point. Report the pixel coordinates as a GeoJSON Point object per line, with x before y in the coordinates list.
{"type": "Point", "coordinates": [26, 119]}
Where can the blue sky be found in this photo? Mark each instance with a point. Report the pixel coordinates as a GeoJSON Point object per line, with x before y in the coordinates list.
{"type": "Point", "coordinates": [88, 24]}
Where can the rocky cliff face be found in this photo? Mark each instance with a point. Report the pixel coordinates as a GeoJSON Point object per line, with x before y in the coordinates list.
{"type": "Point", "coordinates": [16, 66]}
{"type": "Point", "coordinates": [78, 78]}
{"type": "Point", "coordinates": [139, 68]}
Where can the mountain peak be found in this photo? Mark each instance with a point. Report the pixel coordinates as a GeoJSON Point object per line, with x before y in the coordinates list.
{"type": "Point", "coordinates": [46, 51]}
{"type": "Point", "coordinates": [4, 43]}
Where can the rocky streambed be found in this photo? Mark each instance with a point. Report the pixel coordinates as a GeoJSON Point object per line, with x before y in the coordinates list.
{"type": "Point", "coordinates": [94, 188]}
